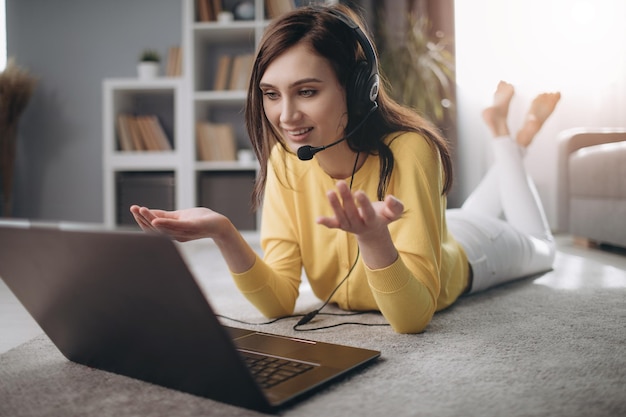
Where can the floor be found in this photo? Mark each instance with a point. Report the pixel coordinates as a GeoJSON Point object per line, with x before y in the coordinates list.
{"type": "Point", "coordinates": [17, 327]}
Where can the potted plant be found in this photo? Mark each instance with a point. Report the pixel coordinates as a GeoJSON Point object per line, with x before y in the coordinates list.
{"type": "Point", "coordinates": [420, 68]}
{"type": "Point", "coordinates": [148, 66]}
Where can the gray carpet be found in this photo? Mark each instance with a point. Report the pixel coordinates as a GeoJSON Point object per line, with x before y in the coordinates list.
{"type": "Point", "coordinates": [553, 345]}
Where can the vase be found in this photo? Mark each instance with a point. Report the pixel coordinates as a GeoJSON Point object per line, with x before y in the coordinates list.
{"type": "Point", "coordinates": [8, 141]}
{"type": "Point", "coordinates": [148, 70]}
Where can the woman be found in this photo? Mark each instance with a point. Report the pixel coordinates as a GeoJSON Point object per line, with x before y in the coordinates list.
{"type": "Point", "coordinates": [366, 218]}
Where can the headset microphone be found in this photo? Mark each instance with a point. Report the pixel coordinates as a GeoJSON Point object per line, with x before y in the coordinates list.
{"type": "Point", "coordinates": [306, 152]}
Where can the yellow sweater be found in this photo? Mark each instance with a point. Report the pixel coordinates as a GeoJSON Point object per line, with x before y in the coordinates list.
{"type": "Point", "coordinates": [429, 275]}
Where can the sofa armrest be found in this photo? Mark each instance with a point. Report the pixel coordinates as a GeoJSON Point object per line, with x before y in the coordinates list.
{"type": "Point", "coordinates": [570, 141]}
{"type": "Point", "coordinates": [599, 171]}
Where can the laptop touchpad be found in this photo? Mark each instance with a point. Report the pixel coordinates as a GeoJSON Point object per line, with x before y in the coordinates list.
{"type": "Point", "coordinates": [271, 344]}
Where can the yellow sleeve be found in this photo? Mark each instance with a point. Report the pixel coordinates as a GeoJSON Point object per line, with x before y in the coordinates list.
{"type": "Point", "coordinates": [406, 303]}
{"type": "Point", "coordinates": [260, 286]}
{"type": "Point", "coordinates": [407, 291]}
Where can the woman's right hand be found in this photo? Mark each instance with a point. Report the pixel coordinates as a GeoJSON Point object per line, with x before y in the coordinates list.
{"type": "Point", "coordinates": [181, 225]}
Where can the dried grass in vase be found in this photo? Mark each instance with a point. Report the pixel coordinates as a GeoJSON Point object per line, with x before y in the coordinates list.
{"type": "Point", "coordinates": [16, 88]}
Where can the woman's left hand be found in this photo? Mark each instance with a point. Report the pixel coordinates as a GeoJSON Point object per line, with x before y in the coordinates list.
{"type": "Point", "coordinates": [355, 213]}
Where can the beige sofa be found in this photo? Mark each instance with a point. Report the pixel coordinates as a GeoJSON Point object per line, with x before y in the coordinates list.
{"type": "Point", "coordinates": [591, 185]}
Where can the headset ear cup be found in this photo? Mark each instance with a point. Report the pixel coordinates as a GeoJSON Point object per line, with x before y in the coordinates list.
{"type": "Point", "coordinates": [358, 90]}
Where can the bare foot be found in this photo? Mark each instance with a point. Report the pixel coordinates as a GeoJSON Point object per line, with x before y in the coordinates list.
{"type": "Point", "coordinates": [540, 109]}
{"type": "Point", "coordinates": [495, 116]}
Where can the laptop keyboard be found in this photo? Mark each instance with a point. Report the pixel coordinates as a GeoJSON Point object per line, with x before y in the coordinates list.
{"type": "Point", "coordinates": [269, 371]}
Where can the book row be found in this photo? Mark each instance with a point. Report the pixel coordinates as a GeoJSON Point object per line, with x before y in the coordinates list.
{"type": "Point", "coordinates": [233, 72]}
{"type": "Point", "coordinates": [141, 133]}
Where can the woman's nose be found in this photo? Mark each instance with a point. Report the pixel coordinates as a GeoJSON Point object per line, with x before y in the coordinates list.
{"type": "Point", "coordinates": [289, 112]}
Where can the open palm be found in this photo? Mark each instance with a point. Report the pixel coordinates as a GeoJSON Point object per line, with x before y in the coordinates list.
{"type": "Point", "coordinates": [181, 225]}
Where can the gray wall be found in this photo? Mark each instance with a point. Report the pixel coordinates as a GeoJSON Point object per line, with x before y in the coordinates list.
{"type": "Point", "coordinates": [71, 46]}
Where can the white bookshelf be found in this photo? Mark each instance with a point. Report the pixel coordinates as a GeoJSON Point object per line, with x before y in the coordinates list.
{"type": "Point", "coordinates": [162, 97]}
{"type": "Point", "coordinates": [224, 186]}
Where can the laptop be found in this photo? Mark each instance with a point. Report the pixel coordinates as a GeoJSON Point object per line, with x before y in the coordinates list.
{"type": "Point", "coordinates": [126, 302]}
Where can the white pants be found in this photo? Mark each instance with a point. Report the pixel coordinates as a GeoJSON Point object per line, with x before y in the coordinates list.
{"type": "Point", "coordinates": [501, 250]}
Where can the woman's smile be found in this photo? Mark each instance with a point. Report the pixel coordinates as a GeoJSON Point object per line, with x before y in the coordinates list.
{"type": "Point", "coordinates": [298, 135]}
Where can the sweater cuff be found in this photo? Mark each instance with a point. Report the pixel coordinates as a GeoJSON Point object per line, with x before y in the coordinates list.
{"type": "Point", "coordinates": [390, 279]}
{"type": "Point", "coordinates": [248, 281]}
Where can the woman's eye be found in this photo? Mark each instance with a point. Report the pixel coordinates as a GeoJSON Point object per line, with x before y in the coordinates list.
{"type": "Point", "coordinates": [307, 93]}
{"type": "Point", "coordinates": [271, 95]}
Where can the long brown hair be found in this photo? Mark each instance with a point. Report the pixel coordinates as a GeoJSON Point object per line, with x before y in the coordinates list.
{"type": "Point", "coordinates": [335, 41]}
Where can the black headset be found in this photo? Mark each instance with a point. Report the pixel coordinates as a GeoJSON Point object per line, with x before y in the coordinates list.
{"type": "Point", "coordinates": [364, 83]}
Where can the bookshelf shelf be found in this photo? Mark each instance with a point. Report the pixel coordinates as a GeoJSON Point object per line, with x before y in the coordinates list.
{"type": "Point", "coordinates": [215, 32]}
{"type": "Point", "coordinates": [226, 166]}
{"type": "Point", "coordinates": [132, 161]}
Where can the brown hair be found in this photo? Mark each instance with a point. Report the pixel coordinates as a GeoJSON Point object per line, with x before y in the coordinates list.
{"type": "Point", "coordinates": [334, 40]}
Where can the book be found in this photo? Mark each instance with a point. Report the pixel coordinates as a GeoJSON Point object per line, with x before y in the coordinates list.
{"type": "Point", "coordinates": [142, 133]}
{"type": "Point", "coordinates": [174, 62]}
{"type": "Point", "coordinates": [202, 11]}
{"type": "Point", "coordinates": [276, 8]}
{"type": "Point", "coordinates": [222, 73]}
{"type": "Point", "coordinates": [241, 71]}
{"type": "Point", "coordinates": [135, 134]}
{"type": "Point", "coordinates": [203, 149]}
{"type": "Point", "coordinates": [225, 138]}
{"type": "Point", "coordinates": [178, 67]}
{"type": "Point", "coordinates": [206, 10]}
{"type": "Point", "coordinates": [124, 134]}
{"type": "Point", "coordinates": [158, 133]}
{"type": "Point", "coordinates": [149, 141]}
{"type": "Point", "coordinates": [216, 8]}
{"type": "Point", "coordinates": [215, 142]}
